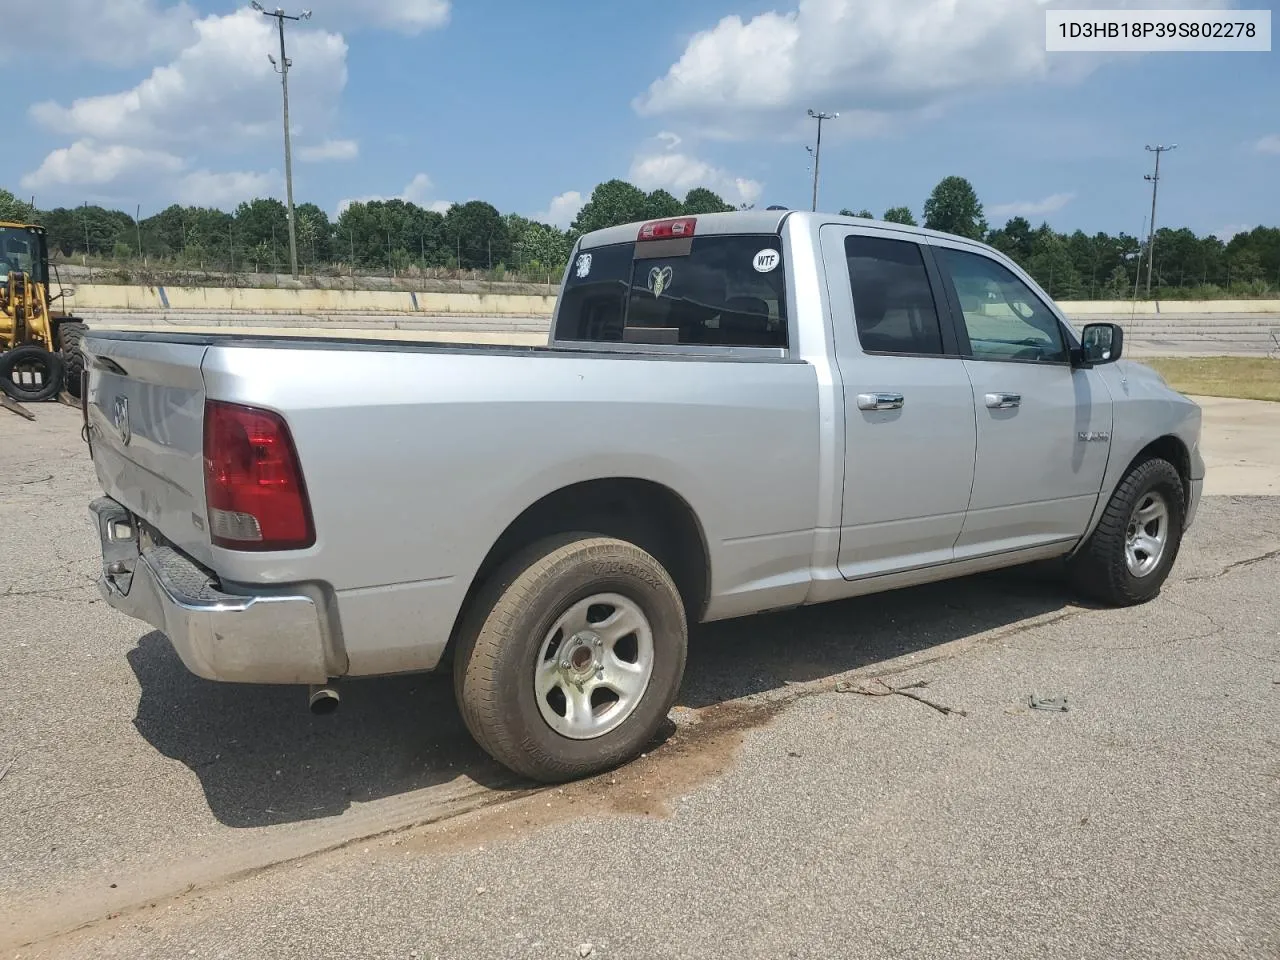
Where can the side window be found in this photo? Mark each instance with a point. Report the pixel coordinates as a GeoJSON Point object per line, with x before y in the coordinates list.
{"type": "Point", "coordinates": [1004, 319]}
{"type": "Point", "coordinates": [892, 300]}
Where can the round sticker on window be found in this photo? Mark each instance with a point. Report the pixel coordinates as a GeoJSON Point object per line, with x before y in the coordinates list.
{"type": "Point", "coordinates": [766, 261]}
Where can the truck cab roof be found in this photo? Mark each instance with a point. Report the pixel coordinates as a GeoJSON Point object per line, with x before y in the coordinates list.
{"type": "Point", "coordinates": [752, 221]}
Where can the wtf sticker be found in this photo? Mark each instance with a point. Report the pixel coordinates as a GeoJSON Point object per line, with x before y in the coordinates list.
{"type": "Point", "coordinates": [766, 261]}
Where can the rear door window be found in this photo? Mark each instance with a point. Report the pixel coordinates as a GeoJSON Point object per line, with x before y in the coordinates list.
{"type": "Point", "coordinates": [893, 302]}
{"type": "Point", "coordinates": [707, 291]}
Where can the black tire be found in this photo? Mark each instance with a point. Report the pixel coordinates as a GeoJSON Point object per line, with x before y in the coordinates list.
{"type": "Point", "coordinates": [70, 333]}
{"type": "Point", "coordinates": [501, 639]}
{"type": "Point", "coordinates": [1100, 569]}
{"type": "Point", "coordinates": [25, 355]}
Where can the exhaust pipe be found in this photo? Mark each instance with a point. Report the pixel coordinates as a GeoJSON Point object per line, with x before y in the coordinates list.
{"type": "Point", "coordinates": [322, 699]}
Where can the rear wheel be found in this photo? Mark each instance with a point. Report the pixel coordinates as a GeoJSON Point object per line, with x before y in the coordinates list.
{"type": "Point", "coordinates": [1128, 557]}
{"type": "Point", "coordinates": [70, 333]}
{"type": "Point", "coordinates": [572, 657]}
{"type": "Point", "coordinates": [30, 373]}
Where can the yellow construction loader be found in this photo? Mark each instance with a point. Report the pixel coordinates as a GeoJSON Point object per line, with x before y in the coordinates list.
{"type": "Point", "coordinates": [39, 346]}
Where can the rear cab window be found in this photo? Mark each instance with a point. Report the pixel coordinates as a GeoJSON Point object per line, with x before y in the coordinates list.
{"type": "Point", "coordinates": [724, 290]}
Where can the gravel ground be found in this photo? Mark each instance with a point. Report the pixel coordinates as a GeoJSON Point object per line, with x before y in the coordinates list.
{"type": "Point", "coordinates": [780, 818]}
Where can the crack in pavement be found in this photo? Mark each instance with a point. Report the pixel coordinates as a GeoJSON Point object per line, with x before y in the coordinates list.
{"type": "Point", "coordinates": [1248, 561]}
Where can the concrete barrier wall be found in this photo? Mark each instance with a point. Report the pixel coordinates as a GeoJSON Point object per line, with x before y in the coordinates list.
{"type": "Point", "coordinates": [1167, 308]}
{"type": "Point", "coordinates": [92, 296]}
{"type": "Point", "coordinates": [98, 296]}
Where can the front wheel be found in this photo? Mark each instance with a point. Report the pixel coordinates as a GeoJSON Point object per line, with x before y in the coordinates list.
{"type": "Point", "coordinates": [1128, 557]}
{"type": "Point", "coordinates": [70, 333]}
{"type": "Point", "coordinates": [572, 657]}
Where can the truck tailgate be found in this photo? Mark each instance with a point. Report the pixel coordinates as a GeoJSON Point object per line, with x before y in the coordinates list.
{"type": "Point", "coordinates": [145, 413]}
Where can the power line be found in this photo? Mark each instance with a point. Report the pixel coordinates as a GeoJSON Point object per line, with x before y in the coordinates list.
{"type": "Point", "coordinates": [283, 69]}
{"type": "Point", "coordinates": [817, 153]}
{"type": "Point", "coordinates": [1154, 178]}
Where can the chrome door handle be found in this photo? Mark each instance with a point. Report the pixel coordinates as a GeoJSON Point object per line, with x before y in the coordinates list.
{"type": "Point", "coordinates": [1002, 401]}
{"type": "Point", "coordinates": [880, 401]}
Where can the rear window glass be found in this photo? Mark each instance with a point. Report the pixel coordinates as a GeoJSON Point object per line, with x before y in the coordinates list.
{"type": "Point", "coordinates": [709, 291]}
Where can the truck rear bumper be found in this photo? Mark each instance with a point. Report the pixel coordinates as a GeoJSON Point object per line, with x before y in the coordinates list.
{"type": "Point", "coordinates": [260, 638]}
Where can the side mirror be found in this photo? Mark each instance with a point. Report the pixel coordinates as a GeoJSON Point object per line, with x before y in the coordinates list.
{"type": "Point", "coordinates": [1101, 343]}
{"type": "Point", "coordinates": [64, 292]}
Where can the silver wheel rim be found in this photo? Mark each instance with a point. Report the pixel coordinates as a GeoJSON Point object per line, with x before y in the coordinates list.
{"type": "Point", "coordinates": [1147, 534]}
{"type": "Point", "coordinates": [594, 666]}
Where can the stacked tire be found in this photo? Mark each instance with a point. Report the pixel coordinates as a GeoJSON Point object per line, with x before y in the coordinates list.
{"type": "Point", "coordinates": [30, 373]}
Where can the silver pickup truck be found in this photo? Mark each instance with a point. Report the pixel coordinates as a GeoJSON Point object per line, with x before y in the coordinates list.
{"type": "Point", "coordinates": [735, 413]}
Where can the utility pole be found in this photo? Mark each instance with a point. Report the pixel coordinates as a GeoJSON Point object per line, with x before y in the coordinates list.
{"type": "Point", "coordinates": [283, 69]}
{"type": "Point", "coordinates": [1155, 186]}
{"type": "Point", "coordinates": [1137, 274]}
{"type": "Point", "coordinates": [137, 222]}
{"type": "Point", "coordinates": [817, 153]}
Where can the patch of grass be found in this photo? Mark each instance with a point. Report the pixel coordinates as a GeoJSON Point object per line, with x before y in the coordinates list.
{"type": "Point", "coordinates": [1246, 378]}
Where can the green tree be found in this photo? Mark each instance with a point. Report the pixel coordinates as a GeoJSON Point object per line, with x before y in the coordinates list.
{"type": "Point", "coordinates": [1051, 266]}
{"type": "Point", "coordinates": [517, 226]}
{"type": "Point", "coordinates": [11, 208]}
{"type": "Point", "coordinates": [1013, 240]}
{"type": "Point", "coordinates": [899, 215]}
{"type": "Point", "coordinates": [954, 208]}
{"type": "Point", "coordinates": [660, 204]}
{"type": "Point", "coordinates": [263, 222]}
{"type": "Point", "coordinates": [164, 233]}
{"type": "Point", "coordinates": [1119, 286]}
{"type": "Point", "coordinates": [612, 203]}
{"type": "Point", "coordinates": [62, 229]}
{"type": "Point", "coordinates": [1264, 243]}
{"type": "Point", "coordinates": [478, 235]}
{"type": "Point", "coordinates": [543, 248]}
{"type": "Point", "coordinates": [1246, 266]}
{"type": "Point", "coordinates": [864, 213]}
{"type": "Point", "coordinates": [701, 200]}
{"type": "Point", "coordinates": [313, 231]}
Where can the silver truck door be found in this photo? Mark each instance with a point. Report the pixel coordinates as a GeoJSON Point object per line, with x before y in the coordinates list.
{"type": "Point", "coordinates": [909, 418]}
{"type": "Point", "coordinates": [1044, 427]}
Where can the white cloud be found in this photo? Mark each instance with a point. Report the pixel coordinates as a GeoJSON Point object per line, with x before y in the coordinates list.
{"type": "Point", "coordinates": [865, 58]}
{"type": "Point", "coordinates": [117, 33]}
{"type": "Point", "coordinates": [1230, 230]}
{"type": "Point", "coordinates": [562, 209]}
{"type": "Point", "coordinates": [88, 163]}
{"type": "Point", "coordinates": [203, 188]}
{"type": "Point", "coordinates": [409, 17]}
{"type": "Point", "coordinates": [329, 150]}
{"type": "Point", "coordinates": [217, 91]}
{"type": "Point", "coordinates": [122, 33]}
{"type": "Point", "coordinates": [1031, 208]}
{"type": "Point", "coordinates": [679, 173]}
{"type": "Point", "coordinates": [1268, 144]}
{"type": "Point", "coordinates": [416, 191]}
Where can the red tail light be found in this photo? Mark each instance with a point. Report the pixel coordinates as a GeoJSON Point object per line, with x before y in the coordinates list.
{"type": "Point", "coordinates": [667, 229]}
{"type": "Point", "coordinates": [252, 480]}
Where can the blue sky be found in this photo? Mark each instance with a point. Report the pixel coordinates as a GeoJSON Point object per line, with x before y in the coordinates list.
{"type": "Point", "coordinates": [529, 104]}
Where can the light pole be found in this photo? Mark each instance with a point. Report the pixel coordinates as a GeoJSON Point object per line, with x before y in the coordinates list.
{"type": "Point", "coordinates": [1154, 178]}
{"type": "Point", "coordinates": [817, 153]}
{"type": "Point", "coordinates": [283, 69]}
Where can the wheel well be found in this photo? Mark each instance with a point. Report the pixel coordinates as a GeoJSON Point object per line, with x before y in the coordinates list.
{"type": "Point", "coordinates": [651, 516]}
{"type": "Point", "coordinates": [1175, 451]}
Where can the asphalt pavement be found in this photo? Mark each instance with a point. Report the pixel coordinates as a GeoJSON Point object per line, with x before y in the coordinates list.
{"type": "Point", "coordinates": [147, 813]}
